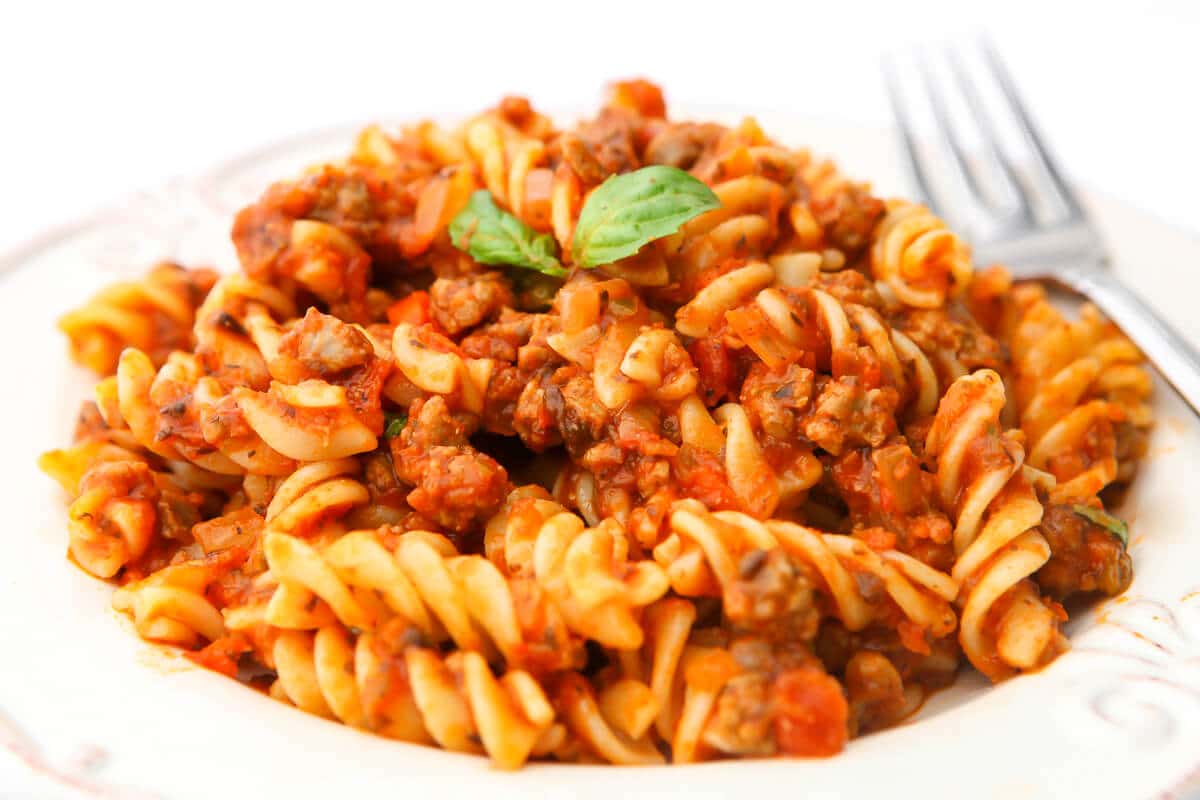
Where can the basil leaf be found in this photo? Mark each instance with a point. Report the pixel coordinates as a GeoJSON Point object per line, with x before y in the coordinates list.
{"type": "Point", "coordinates": [493, 236]}
{"type": "Point", "coordinates": [628, 211]}
{"type": "Point", "coordinates": [394, 424]}
{"type": "Point", "coordinates": [1113, 525]}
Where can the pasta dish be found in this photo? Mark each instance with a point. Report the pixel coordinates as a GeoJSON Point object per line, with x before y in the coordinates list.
{"type": "Point", "coordinates": [639, 441]}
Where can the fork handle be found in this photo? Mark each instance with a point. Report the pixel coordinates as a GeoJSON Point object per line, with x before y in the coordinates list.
{"type": "Point", "coordinates": [1162, 344]}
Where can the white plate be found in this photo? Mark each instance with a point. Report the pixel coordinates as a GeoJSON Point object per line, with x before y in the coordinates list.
{"type": "Point", "coordinates": [87, 709]}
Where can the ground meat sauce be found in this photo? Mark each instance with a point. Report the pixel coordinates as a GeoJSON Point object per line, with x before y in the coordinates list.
{"type": "Point", "coordinates": [709, 496]}
{"type": "Point", "coordinates": [1086, 558]}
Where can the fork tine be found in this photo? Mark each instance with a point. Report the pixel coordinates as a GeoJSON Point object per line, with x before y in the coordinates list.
{"type": "Point", "coordinates": [1045, 161]}
{"type": "Point", "coordinates": [987, 129]}
{"type": "Point", "coordinates": [915, 164]}
{"type": "Point", "coordinates": [950, 133]}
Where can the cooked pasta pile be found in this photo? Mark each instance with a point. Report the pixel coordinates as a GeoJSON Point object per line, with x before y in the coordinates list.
{"type": "Point", "coordinates": [634, 442]}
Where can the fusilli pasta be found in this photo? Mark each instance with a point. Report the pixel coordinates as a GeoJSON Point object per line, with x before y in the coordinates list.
{"type": "Point", "coordinates": [639, 441]}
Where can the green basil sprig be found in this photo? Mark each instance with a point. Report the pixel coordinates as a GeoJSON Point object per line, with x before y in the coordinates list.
{"type": "Point", "coordinates": [628, 211]}
{"type": "Point", "coordinates": [493, 236]}
{"type": "Point", "coordinates": [1113, 525]}
{"type": "Point", "coordinates": [394, 424]}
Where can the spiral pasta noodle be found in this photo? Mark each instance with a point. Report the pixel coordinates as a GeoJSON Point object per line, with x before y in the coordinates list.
{"type": "Point", "coordinates": [918, 258]}
{"type": "Point", "coordinates": [154, 314]}
{"type": "Point", "coordinates": [236, 332]}
{"type": "Point", "coordinates": [315, 495]}
{"type": "Point", "coordinates": [453, 701]}
{"type": "Point", "coordinates": [745, 225]}
{"type": "Point", "coordinates": [638, 441]}
{"type": "Point", "coordinates": [1074, 382]}
{"type": "Point", "coordinates": [182, 413]}
{"type": "Point", "coordinates": [996, 539]}
{"type": "Point", "coordinates": [585, 571]}
{"type": "Point", "coordinates": [430, 362]}
{"type": "Point", "coordinates": [170, 606]}
{"type": "Point", "coordinates": [445, 596]}
{"type": "Point", "coordinates": [113, 518]}
{"type": "Point", "coordinates": [509, 152]}
{"type": "Point", "coordinates": [714, 551]}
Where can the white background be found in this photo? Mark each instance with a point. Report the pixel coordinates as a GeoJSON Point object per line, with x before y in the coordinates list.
{"type": "Point", "coordinates": [104, 98]}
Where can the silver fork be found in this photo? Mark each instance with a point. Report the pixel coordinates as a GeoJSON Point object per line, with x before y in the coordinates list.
{"type": "Point", "coordinates": [1065, 250]}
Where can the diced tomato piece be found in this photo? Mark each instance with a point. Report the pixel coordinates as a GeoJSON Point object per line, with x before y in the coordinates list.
{"type": "Point", "coordinates": [638, 95]}
{"type": "Point", "coordinates": [711, 671]}
{"type": "Point", "coordinates": [812, 713]}
{"type": "Point", "coordinates": [221, 655]}
{"type": "Point", "coordinates": [413, 309]}
{"type": "Point", "coordinates": [700, 475]}
{"type": "Point", "coordinates": [878, 539]}
{"type": "Point", "coordinates": [912, 636]}
{"type": "Point", "coordinates": [715, 368]}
